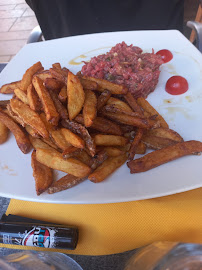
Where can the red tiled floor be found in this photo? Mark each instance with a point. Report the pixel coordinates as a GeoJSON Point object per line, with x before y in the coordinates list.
{"type": "Point", "coordinates": [24, 23]}
{"type": "Point", "coordinates": [17, 20]}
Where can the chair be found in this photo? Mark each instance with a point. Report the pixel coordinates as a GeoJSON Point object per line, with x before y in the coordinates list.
{"type": "Point", "coordinates": [196, 34]}
{"type": "Point", "coordinates": [196, 25]}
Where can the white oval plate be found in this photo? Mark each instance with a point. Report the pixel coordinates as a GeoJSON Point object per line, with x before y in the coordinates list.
{"type": "Point", "coordinates": [183, 113]}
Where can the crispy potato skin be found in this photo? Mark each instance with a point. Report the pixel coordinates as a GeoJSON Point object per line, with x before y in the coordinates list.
{"type": "Point", "coordinates": [56, 161]}
{"type": "Point", "coordinates": [3, 133]}
{"type": "Point", "coordinates": [10, 87]}
{"type": "Point", "coordinates": [27, 77]}
{"type": "Point", "coordinates": [76, 95]}
{"type": "Point", "coordinates": [29, 116]}
{"type": "Point", "coordinates": [48, 104]}
{"type": "Point", "coordinates": [107, 168]}
{"type": "Point", "coordinates": [20, 135]}
{"type": "Point", "coordinates": [43, 175]}
{"type": "Point", "coordinates": [90, 108]}
{"type": "Point", "coordinates": [164, 155]}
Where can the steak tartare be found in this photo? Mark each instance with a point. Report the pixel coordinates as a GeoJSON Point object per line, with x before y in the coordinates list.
{"type": "Point", "coordinates": [126, 65]}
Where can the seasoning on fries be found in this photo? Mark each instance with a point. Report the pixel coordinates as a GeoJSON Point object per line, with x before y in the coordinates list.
{"type": "Point", "coordinates": [84, 126]}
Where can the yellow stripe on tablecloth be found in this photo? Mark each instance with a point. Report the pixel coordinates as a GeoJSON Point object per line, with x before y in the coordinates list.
{"type": "Point", "coordinates": [117, 227]}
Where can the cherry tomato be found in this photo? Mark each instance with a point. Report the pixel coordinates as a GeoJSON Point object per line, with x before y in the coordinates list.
{"type": "Point", "coordinates": [176, 85]}
{"type": "Point", "coordinates": [166, 55]}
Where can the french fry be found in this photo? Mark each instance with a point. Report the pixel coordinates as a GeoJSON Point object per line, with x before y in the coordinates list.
{"type": "Point", "coordinates": [53, 84]}
{"type": "Point", "coordinates": [55, 161]}
{"type": "Point", "coordinates": [48, 105]}
{"type": "Point", "coordinates": [14, 116]}
{"type": "Point", "coordinates": [107, 168]}
{"type": "Point", "coordinates": [154, 142]}
{"type": "Point", "coordinates": [112, 151]}
{"type": "Point", "coordinates": [58, 74]}
{"type": "Point", "coordinates": [89, 108]}
{"type": "Point", "coordinates": [83, 156]}
{"type": "Point", "coordinates": [72, 138]}
{"type": "Point", "coordinates": [164, 133]}
{"type": "Point", "coordinates": [59, 139]}
{"type": "Point", "coordinates": [10, 87]}
{"type": "Point", "coordinates": [47, 124]}
{"type": "Point", "coordinates": [50, 142]}
{"type": "Point", "coordinates": [112, 87]}
{"type": "Point", "coordinates": [43, 75]}
{"type": "Point", "coordinates": [21, 95]}
{"type": "Point", "coordinates": [33, 99]}
{"type": "Point", "coordinates": [29, 116]}
{"type": "Point", "coordinates": [161, 137]}
{"type": "Point", "coordinates": [69, 181]}
{"type": "Point", "coordinates": [164, 155]}
{"type": "Point", "coordinates": [81, 130]}
{"type": "Point", "coordinates": [110, 140]}
{"type": "Point", "coordinates": [141, 148]}
{"type": "Point", "coordinates": [27, 77]}
{"type": "Point", "coordinates": [66, 182]}
{"type": "Point", "coordinates": [119, 104]}
{"type": "Point", "coordinates": [20, 135]}
{"type": "Point", "coordinates": [115, 109]}
{"type": "Point", "coordinates": [32, 132]}
{"type": "Point", "coordinates": [43, 175]}
{"type": "Point", "coordinates": [76, 95]}
{"type": "Point", "coordinates": [62, 110]}
{"type": "Point", "coordinates": [57, 66]}
{"type": "Point", "coordinates": [135, 142]}
{"type": "Point", "coordinates": [63, 94]}
{"type": "Point", "coordinates": [102, 99]}
{"type": "Point", "coordinates": [133, 121]}
{"type": "Point", "coordinates": [98, 159]}
{"type": "Point", "coordinates": [87, 84]}
{"type": "Point", "coordinates": [4, 103]}
{"type": "Point", "coordinates": [3, 133]}
{"type": "Point", "coordinates": [70, 151]}
{"type": "Point", "coordinates": [38, 143]}
{"type": "Point", "coordinates": [133, 103]}
{"type": "Point", "coordinates": [148, 108]}
{"type": "Point", "coordinates": [103, 125]}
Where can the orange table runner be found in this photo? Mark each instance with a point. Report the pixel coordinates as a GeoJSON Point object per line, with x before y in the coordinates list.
{"type": "Point", "coordinates": [117, 227]}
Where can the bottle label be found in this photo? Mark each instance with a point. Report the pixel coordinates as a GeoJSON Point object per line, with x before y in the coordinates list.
{"type": "Point", "coordinates": [38, 237]}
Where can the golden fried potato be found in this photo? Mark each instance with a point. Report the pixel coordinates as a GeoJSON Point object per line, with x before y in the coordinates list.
{"type": "Point", "coordinates": [10, 87]}
{"type": "Point", "coordinates": [29, 116]}
{"type": "Point", "coordinates": [33, 99]}
{"type": "Point", "coordinates": [76, 95]}
{"type": "Point", "coordinates": [72, 138]}
{"type": "Point", "coordinates": [110, 140]}
{"type": "Point", "coordinates": [56, 161]}
{"type": "Point", "coordinates": [43, 175]}
{"type": "Point", "coordinates": [148, 108]}
{"type": "Point", "coordinates": [119, 104]}
{"type": "Point", "coordinates": [107, 168]}
{"type": "Point", "coordinates": [21, 95]}
{"type": "Point", "coordinates": [46, 100]}
{"type": "Point", "coordinates": [164, 155]}
{"type": "Point", "coordinates": [27, 77]}
{"type": "Point", "coordinates": [3, 133]}
{"type": "Point", "coordinates": [20, 135]}
{"type": "Point", "coordinates": [112, 87]}
{"type": "Point", "coordinates": [89, 108]}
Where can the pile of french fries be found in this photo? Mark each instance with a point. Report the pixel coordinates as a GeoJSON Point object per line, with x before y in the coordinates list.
{"type": "Point", "coordinates": [85, 127]}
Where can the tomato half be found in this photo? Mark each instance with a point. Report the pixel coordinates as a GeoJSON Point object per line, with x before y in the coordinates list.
{"type": "Point", "coordinates": [166, 55]}
{"type": "Point", "coordinates": [177, 85]}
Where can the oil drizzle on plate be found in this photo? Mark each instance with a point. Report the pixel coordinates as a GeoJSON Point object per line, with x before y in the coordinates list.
{"type": "Point", "coordinates": [183, 111]}
{"type": "Point", "coordinates": [77, 60]}
{"type": "Point", "coordinates": [4, 167]}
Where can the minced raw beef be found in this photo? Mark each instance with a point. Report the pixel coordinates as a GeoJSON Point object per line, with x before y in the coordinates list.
{"type": "Point", "coordinates": [127, 65]}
